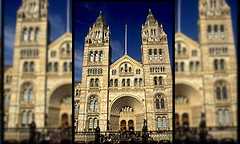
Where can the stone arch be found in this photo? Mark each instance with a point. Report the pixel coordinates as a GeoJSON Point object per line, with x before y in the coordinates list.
{"type": "Point", "coordinates": [188, 101]}
{"type": "Point", "coordinates": [60, 103]}
{"type": "Point", "coordinates": [126, 108]}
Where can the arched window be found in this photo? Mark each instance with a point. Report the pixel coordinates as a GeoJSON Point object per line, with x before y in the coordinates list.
{"type": "Point", "coordinates": [31, 34]}
{"type": "Point", "coordinates": [160, 79]}
{"type": "Point", "coordinates": [222, 64]}
{"type": "Point", "coordinates": [191, 66]}
{"type": "Point", "coordinates": [95, 56]}
{"type": "Point", "coordinates": [92, 82]}
{"type": "Point", "coordinates": [178, 48]}
{"type": "Point", "coordinates": [223, 117]}
{"type": "Point", "coordinates": [182, 66]}
{"type": "Point", "coordinates": [32, 66]}
{"type": "Point", "coordinates": [116, 82]}
{"type": "Point", "coordinates": [128, 82]}
{"type": "Point", "coordinates": [36, 34]}
{"type": "Point", "coordinates": [130, 69]}
{"type": "Point", "coordinates": [222, 28]}
{"type": "Point", "coordinates": [164, 122]}
{"type": "Point", "coordinates": [135, 81]}
{"type": "Point", "coordinates": [221, 91]}
{"type": "Point", "coordinates": [30, 116]}
{"type": "Point", "coordinates": [209, 28]}
{"type": "Point", "coordinates": [93, 104]}
{"type": "Point", "coordinates": [125, 67]}
{"type": "Point", "coordinates": [96, 82]}
{"type": "Point", "coordinates": [55, 67]}
{"type": "Point", "coordinates": [65, 67]}
{"type": "Point", "coordinates": [95, 123]}
{"type": "Point", "coordinates": [155, 81]}
{"type": "Point", "coordinates": [140, 82]}
{"type": "Point", "coordinates": [101, 56]}
{"type": "Point", "coordinates": [91, 56]}
{"type": "Point", "coordinates": [159, 100]}
{"type": "Point", "coordinates": [155, 52]}
{"type": "Point", "coordinates": [25, 34]}
{"type": "Point", "coordinates": [27, 92]}
{"type": "Point", "coordinates": [150, 52]}
{"type": "Point", "coordinates": [24, 118]}
{"type": "Point", "coordinates": [215, 63]}
{"type": "Point", "coordinates": [49, 67]}
{"type": "Point", "coordinates": [176, 66]}
{"type": "Point", "coordinates": [197, 65]}
{"type": "Point", "coordinates": [68, 49]}
{"type": "Point", "coordinates": [90, 124]}
{"type": "Point", "coordinates": [159, 122]}
{"type": "Point", "coordinates": [111, 82]}
{"type": "Point", "coordinates": [25, 67]}
{"type": "Point", "coordinates": [123, 82]}
{"type": "Point", "coordinates": [162, 103]}
{"type": "Point", "coordinates": [70, 66]}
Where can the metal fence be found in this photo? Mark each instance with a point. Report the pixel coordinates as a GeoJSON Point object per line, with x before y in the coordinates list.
{"type": "Point", "coordinates": [116, 136]}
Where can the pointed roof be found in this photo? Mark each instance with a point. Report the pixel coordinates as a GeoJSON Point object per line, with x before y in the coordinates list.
{"type": "Point", "coordinates": [124, 58]}
{"type": "Point", "coordinates": [185, 38]}
{"type": "Point", "coordinates": [150, 17]}
{"type": "Point", "coordinates": [60, 39]}
{"type": "Point", "coordinates": [100, 19]}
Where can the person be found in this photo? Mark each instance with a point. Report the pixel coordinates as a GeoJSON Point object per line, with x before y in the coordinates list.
{"type": "Point", "coordinates": [32, 131]}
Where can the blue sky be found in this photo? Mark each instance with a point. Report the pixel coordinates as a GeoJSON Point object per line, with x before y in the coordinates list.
{"type": "Point", "coordinates": [57, 19]}
{"type": "Point", "coordinates": [117, 14]}
{"type": "Point", "coordinates": [189, 17]}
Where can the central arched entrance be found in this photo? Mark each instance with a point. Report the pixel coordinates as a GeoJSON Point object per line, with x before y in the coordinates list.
{"type": "Point", "coordinates": [188, 105]}
{"type": "Point", "coordinates": [127, 114]}
{"type": "Point", "coordinates": [60, 107]}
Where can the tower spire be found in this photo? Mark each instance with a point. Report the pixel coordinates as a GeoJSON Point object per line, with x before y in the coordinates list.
{"type": "Point", "coordinates": [68, 15]}
{"type": "Point", "coordinates": [179, 17]}
{"type": "Point", "coordinates": [125, 39]}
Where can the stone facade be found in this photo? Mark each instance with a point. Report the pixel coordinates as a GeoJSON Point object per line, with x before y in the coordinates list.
{"type": "Point", "coordinates": [205, 71]}
{"type": "Point", "coordinates": [38, 86]}
{"type": "Point", "coordinates": [120, 95]}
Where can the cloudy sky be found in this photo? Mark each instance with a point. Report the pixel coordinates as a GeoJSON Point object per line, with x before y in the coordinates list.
{"type": "Point", "coordinates": [117, 14]}
{"type": "Point", "coordinates": [57, 21]}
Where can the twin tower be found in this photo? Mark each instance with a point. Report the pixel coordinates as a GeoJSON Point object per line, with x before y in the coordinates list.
{"type": "Point", "coordinates": [122, 94]}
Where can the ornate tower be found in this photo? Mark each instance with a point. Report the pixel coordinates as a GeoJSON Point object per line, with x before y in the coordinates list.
{"type": "Point", "coordinates": [29, 65]}
{"type": "Point", "coordinates": [219, 62]}
{"type": "Point", "coordinates": [157, 74]}
{"type": "Point", "coordinates": [95, 76]}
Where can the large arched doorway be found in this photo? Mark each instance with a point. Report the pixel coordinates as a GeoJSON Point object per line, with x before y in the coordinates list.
{"type": "Point", "coordinates": [60, 107]}
{"type": "Point", "coordinates": [127, 113]}
{"type": "Point", "coordinates": [188, 105]}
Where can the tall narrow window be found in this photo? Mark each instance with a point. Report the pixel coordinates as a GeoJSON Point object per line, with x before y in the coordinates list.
{"type": "Point", "coordinates": [65, 67]}
{"type": "Point", "coordinates": [222, 64]}
{"type": "Point", "coordinates": [182, 66]}
{"type": "Point", "coordinates": [36, 36]}
{"type": "Point", "coordinates": [31, 66]}
{"type": "Point", "coordinates": [55, 67]}
{"type": "Point", "coordinates": [221, 92]}
{"type": "Point", "coordinates": [116, 82]}
{"type": "Point", "coordinates": [128, 82]}
{"type": "Point", "coordinates": [97, 82]}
